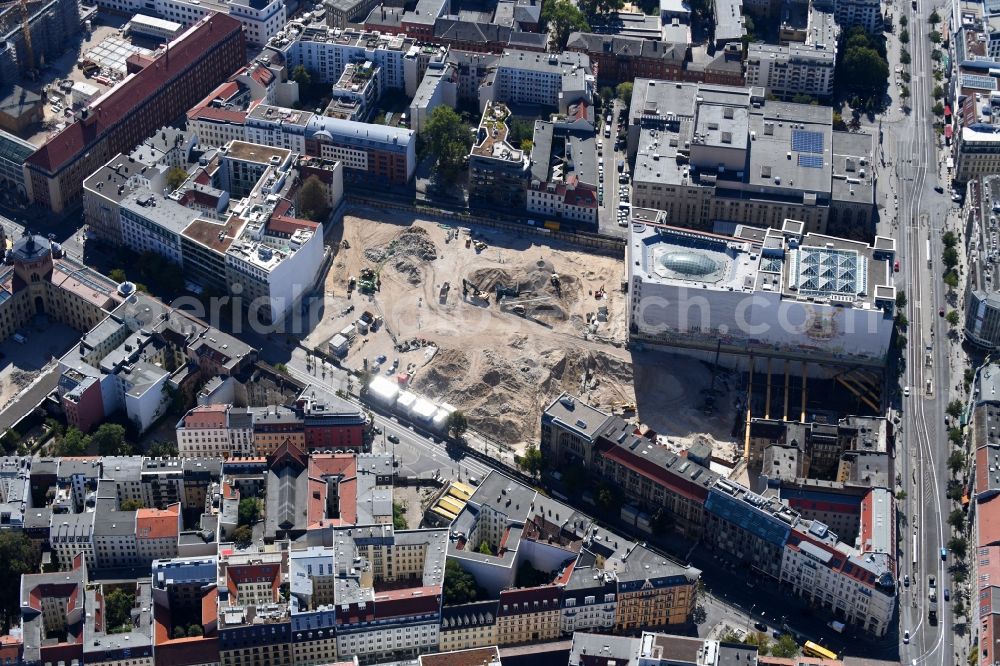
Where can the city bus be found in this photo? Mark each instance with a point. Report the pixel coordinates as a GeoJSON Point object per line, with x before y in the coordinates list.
{"type": "Point", "coordinates": [815, 650]}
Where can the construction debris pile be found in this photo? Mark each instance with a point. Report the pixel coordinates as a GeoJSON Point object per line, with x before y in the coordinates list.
{"type": "Point", "coordinates": [405, 253]}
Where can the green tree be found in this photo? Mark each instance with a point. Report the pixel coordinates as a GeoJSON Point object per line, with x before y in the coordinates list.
{"type": "Point", "coordinates": [624, 92]}
{"type": "Point", "coordinates": [457, 423]}
{"type": "Point", "coordinates": [864, 70]}
{"type": "Point", "coordinates": [956, 461]}
{"type": "Point", "coordinates": [607, 94]}
{"type": "Point", "coordinates": [563, 18]}
{"type": "Point", "coordinates": [532, 461]}
{"type": "Point", "coordinates": [249, 511]}
{"type": "Point", "coordinates": [73, 443]}
{"type": "Point", "coordinates": [938, 108]}
{"type": "Point", "coordinates": [117, 275]}
{"type": "Point", "coordinates": [957, 519]}
{"type": "Point", "coordinates": [951, 279]}
{"type": "Point", "coordinates": [484, 548]}
{"type": "Point", "coordinates": [903, 21]}
{"type": "Point", "coordinates": [785, 647]}
{"type": "Point", "coordinates": [459, 585]}
{"type": "Point", "coordinates": [195, 630]}
{"type": "Point", "coordinates": [904, 57]}
{"type": "Point", "coordinates": [904, 36]}
{"type": "Point", "coordinates": [19, 556]}
{"type": "Point", "coordinates": [131, 505]}
{"type": "Point", "coordinates": [935, 37]}
{"type": "Point", "coordinates": [949, 239]}
{"type": "Point", "coordinates": [176, 177]}
{"type": "Point", "coordinates": [955, 436]}
{"type": "Point", "coordinates": [242, 536]}
{"type": "Point", "coordinates": [164, 449]}
{"type": "Point", "coordinates": [838, 123]}
{"type": "Point", "coordinates": [312, 200]}
{"type": "Point", "coordinates": [399, 516]}
{"type": "Point", "coordinates": [958, 545]}
{"type": "Point", "coordinates": [900, 300]}
{"type": "Point", "coordinates": [953, 318]}
{"type": "Point", "coordinates": [179, 632]}
{"type": "Point", "coordinates": [934, 18]}
{"type": "Point", "coordinates": [938, 92]}
{"type": "Point", "coordinates": [449, 141]}
{"type": "Point", "coordinates": [950, 257]}
{"type": "Point", "coordinates": [110, 440]}
{"type": "Point", "coordinates": [301, 75]}
{"type": "Point", "coordinates": [955, 408]}
{"type": "Point", "coordinates": [118, 605]}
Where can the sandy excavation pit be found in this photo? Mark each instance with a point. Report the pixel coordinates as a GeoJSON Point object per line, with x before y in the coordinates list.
{"type": "Point", "coordinates": [500, 363]}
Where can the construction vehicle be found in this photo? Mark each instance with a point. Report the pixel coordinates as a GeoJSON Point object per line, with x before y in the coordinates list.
{"type": "Point", "coordinates": [443, 295]}
{"type": "Point", "coordinates": [557, 284]}
{"type": "Point", "coordinates": [368, 282]}
{"type": "Point", "coordinates": [477, 293]}
{"type": "Point", "coordinates": [352, 282]}
{"type": "Point", "coordinates": [479, 245]}
{"type": "Point", "coordinates": [503, 291]}
{"type": "Point", "coordinates": [599, 294]}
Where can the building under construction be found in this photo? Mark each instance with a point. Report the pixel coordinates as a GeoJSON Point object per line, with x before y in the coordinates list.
{"type": "Point", "coordinates": [53, 27]}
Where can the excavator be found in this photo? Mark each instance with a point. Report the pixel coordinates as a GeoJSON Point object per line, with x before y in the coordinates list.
{"type": "Point", "coordinates": [477, 293]}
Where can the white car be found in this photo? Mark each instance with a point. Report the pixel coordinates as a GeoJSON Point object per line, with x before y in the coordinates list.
{"type": "Point", "coordinates": [906, 636]}
{"type": "Point", "coordinates": [906, 391]}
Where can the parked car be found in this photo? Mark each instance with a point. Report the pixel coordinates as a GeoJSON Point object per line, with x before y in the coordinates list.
{"type": "Point", "coordinates": [393, 438]}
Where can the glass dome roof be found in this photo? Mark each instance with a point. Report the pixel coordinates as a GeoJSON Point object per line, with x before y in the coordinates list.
{"type": "Point", "coordinates": [692, 264]}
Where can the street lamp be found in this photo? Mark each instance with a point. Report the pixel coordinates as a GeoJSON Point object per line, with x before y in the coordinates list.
{"type": "Point", "coordinates": [750, 617]}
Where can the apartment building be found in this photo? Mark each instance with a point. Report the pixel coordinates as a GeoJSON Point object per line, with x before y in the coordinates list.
{"type": "Point", "coordinates": [564, 173]}
{"type": "Point", "coordinates": [552, 80]}
{"type": "Point", "coordinates": [201, 58]}
{"type": "Point", "coordinates": [401, 620]}
{"type": "Point", "coordinates": [72, 534]}
{"type": "Point", "coordinates": [759, 533]}
{"type": "Point", "coordinates": [468, 626]}
{"type": "Point", "coordinates": [101, 645]}
{"type": "Point", "coordinates": [589, 598]}
{"type": "Point", "coordinates": [254, 620]}
{"type": "Point", "coordinates": [216, 431]}
{"type": "Point", "coordinates": [498, 171]}
{"type": "Point", "coordinates": [796, 69]}
{"type": "Point", "coordinates": [528, 615]}
{"type": "Point", "coordinates": [52, 615]}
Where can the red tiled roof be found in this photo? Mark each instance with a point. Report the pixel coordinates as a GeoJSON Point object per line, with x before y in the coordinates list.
{"type": "Point", "coordinates": [157, 523]}
{"type": "Point", "coordinates": [122, 100]}
{"type": "Point", "coordinates": [221, 115]}
{"type": "Point", "coordinates": [206, 416]}
{"type": "Point", "coordinates": [662, 476]}
{"type": "Point", "coordinates": [289, 225]}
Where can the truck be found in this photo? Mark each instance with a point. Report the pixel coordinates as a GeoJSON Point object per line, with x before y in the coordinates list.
{"type": "Point", "coordinates": [836, 626]}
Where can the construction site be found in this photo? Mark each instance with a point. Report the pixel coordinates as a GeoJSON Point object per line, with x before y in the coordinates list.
{"type": "Point", "coordinates": [492, 322]}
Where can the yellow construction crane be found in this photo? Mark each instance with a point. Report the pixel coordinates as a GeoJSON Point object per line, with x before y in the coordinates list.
{"type": "Point", "coordinates": [25, 30]}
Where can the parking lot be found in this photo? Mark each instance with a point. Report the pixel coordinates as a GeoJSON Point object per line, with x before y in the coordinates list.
{"type": "Point", "coordinates": [614, 185]}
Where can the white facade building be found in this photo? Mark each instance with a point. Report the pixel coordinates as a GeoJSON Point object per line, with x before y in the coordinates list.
{"type": "Point", "coordinates": [761, 292]}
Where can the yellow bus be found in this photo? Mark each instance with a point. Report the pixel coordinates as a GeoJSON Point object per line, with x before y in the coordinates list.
{"type": "Point", "coordinates": [815, 650]}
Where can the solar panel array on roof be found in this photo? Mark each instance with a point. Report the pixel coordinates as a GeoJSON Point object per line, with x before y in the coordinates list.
{"type": "Point", "coordinates": [811, 161]}
{"type": "Point", "coordinates": [979, 81]}
{"type": "Point", "coordinates": [807, 141]}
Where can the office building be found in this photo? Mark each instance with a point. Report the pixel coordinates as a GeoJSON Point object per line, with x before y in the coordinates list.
{"type": "Point", "coordinates": [734, 290]}
{"type": "Point", "coordinates": [804, 62]}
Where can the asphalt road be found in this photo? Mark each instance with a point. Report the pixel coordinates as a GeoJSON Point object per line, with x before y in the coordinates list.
{"type": "Point", "coordinates": [922, 446]}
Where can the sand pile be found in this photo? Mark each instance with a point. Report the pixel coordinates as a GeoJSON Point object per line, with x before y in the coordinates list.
{"type": "Point", "coordinates": [503, 391]}
{"type": "Point", "coordinates": [406, 253]}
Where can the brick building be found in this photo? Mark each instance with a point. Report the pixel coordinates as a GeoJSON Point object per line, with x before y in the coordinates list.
{"type": "Point", "coordinates": [159, 90]}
